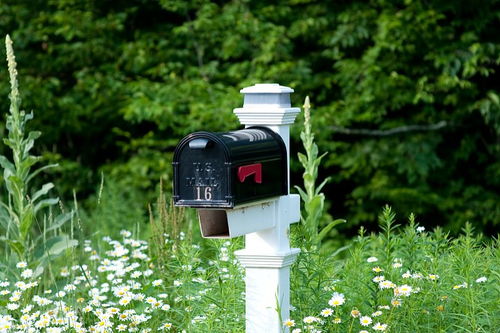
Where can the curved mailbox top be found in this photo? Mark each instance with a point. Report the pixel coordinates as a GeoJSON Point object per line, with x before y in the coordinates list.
{"type": "Point", "coordinates": [227, 169]}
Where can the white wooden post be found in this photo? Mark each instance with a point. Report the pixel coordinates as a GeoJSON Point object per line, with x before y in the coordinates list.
{"type": "Point", "coordinates": [267, 255]}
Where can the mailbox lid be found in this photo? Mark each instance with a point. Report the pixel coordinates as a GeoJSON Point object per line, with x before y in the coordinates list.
{"type": "Point", "coordinates": [253, 144]}
{"type": "Point", "coordinates": [256, 149]}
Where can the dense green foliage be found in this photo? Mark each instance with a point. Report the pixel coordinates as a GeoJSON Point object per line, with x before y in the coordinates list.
{"type": "Point", "coordinates": [114, 85]}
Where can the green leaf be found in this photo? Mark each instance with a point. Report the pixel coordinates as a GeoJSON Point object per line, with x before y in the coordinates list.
{"type": "Point", "coordinates": [38, 270]}
{"type": "Point", "coordinates": [324, 232]}
{"type": "Point", "coordinates": [14, 245]}
{"type": "Point", "coordinates": [40, 169]}
{"type": "Point", "coordinates": [30, 141]}
{"type": "Point", "coordinates": [6, 164]}
{"type": "Point", "coordinates": [44, 190]}
{"type": "Point", "coordinates": [59, 221]}
{"type": "Point", "coordinates": [318, 189]}
{"type": "Point", "coordinates": [314, 207]}
{"type": "Point", "coordinates": [46, 203]}
{"type": "Point", "coordinates": [303, 194]}
{"type": "Point", "coordinates": [27, 163]}
{"type": "Point", "coordinates": [11, 218]}
{"type": "Point", "coordinates": [27, 219]}
{"type": "Point", "coordinates": [54, 246]}
{"type": "Point", "coordinates": [302, 159]}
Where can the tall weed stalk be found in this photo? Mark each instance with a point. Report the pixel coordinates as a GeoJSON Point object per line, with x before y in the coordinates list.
{"type": "Point", "coordinates": [313, 199]}
{"type": "Point", "coordinates": [24, 203]}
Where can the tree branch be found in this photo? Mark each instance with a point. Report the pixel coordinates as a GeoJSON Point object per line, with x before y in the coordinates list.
{"type": "Point", "coordinates": [389, 132]}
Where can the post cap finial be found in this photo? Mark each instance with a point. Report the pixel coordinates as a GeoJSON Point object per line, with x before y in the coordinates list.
{"type": "Point", "coordinates": [267, 88]}
{"type": "Point", "coordinates": [266, 104]}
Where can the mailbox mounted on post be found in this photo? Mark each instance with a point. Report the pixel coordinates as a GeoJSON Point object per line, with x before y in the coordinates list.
{"type": "Point", "coordinates": [238, 181]}
{"type": "Point", "coordinates": [224, 170]}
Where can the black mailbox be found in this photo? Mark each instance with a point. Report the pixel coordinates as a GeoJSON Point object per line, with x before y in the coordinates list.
{"type": "Point", "coordinates": [214, 170]}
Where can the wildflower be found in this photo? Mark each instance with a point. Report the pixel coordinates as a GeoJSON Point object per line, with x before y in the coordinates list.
{"type": "Point", "coordinates": [378, 279]}
{"type": "Point", "coordinates": [157, 283]}
{"type": "Point", "coordinates": [463, 285]}
{"type": "Point", "coordinates": [326, 312]}
{"type": "Point", "coordinates": [12, 306]}
{"type": "Point", "coordinates": [386, 285]}
{"type": "Point", "coordinates": [150, 300]}
{"type": "Point", "coordinates": [165, 326]}
{"type": "Point", "coordinates": [384, 307]}
{"type": "Point", "coordinates": [125, 233]}
{"type": "Point", "coordinates": [364, 331]}
{"type": "Point", "coordinates": [289, 323]}
{"type": "Point", "coordinates": [404, 290]}
{"type": "Point", "coordinates": [310, 319]}
{"type": "Point", "coordinates": [337, 320]}
{"type": "Point", "coordinates": [27, 309]}
{"type": "Point", "coordinates": [124, 301]}
{"type": "Point", "coordinates": [433, 276]}
{"type": "Point", "coordinates": [64, 272]}
{"type": "Point", "coordinates": [372, 259]}
{"type": "Point", "coordinates": [15, 298]}
{"type": "Point", "coordinates": [396, 302]}
{"type": "Point", "coordinates": [406, 275]}
{"type": "Point", "coordinates": [365, 321]}
{"type": "Point", "coordinates": [121, 327]}
{"type": "Point", "coordinates": [296, 330]}
{"type": "Point", "coordinates": [21, 285]}
{"type": "Point", "coordinates": [440, 308]}
{"type": "Point", "coordinates": [420, 229]}
{"type": "Point", "coordinates": [377, 269]}
{"type": "Point", "coordinates": [397, 265]}
{"type": "Point", "coordinates": [70, 287]}
{"type": "Point", "coordinates": [377, 314]}
{"type": "Point", "coordinates": [379, 327]}
{"type": "Point", "coordinates": [22, 264]}
{"type": "Point", "coordinates": [337, 299]}
{"type": "Point", "coordinates": [177, 283]}
{"type": "Point", "coordinates": [27, 273]}
{"type": "Point", "coordinates": [482, 279]}
{"type": "Point", "coordinates": [355, 313]}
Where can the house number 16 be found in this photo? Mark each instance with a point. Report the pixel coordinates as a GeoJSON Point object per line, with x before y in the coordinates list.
{"type": "Point", "coordinates": [207, 193]}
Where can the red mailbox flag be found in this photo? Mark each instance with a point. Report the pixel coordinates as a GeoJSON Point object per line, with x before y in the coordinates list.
{"type": "Point", "coordinates": [248, 170]}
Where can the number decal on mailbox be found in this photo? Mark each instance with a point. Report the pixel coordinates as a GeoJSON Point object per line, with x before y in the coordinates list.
{"type": "Point", "coordinates": [207, 193]}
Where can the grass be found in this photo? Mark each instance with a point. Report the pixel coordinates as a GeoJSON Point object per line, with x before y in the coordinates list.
{"type": "Point", "coordinates": [401, 279]}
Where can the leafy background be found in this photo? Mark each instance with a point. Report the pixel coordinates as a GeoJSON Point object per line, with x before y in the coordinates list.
{"type": "Point", "coordinates": [405, 94]}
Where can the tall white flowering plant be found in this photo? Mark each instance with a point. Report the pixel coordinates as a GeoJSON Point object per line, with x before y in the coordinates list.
{"type": "Point", "coordinates": [24, 203]}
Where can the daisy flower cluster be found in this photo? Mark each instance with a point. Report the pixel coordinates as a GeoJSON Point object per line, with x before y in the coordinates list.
{"type": "Point", "coordinates": [117, 291]}
{"type": "Point", "coordinates": [337, 315]}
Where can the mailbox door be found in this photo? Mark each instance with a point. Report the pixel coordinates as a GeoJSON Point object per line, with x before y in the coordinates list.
{"type": "Point", "coordinates": [202, 174]}
{"type": "Point", "coordinates": [258, 171]}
